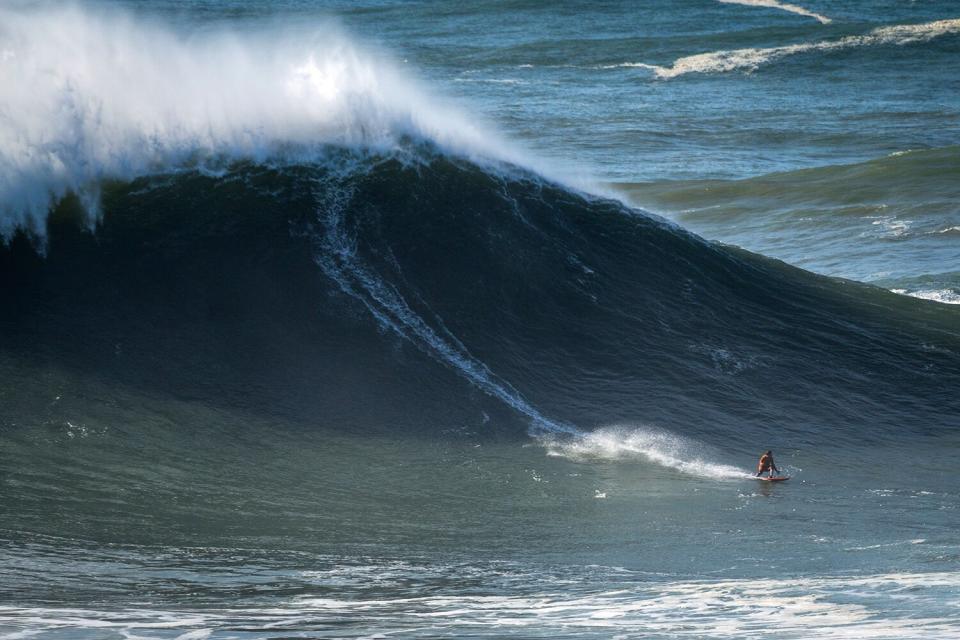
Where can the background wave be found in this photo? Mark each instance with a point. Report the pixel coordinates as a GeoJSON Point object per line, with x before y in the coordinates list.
{"type": "Point", "coordinates": [101, 95]}
{"type": "Point", "coordinates": [888, 221]}
{"type": "Point", "coordinates": [752, 58]}
{"type": "Point", "coordinates": [782, 6]}
{"type": "Point", "coordinates": [660, 447]}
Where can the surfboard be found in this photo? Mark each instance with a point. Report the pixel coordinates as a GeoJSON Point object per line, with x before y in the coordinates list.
{"type": "Point", "coordinates": [774, 478]}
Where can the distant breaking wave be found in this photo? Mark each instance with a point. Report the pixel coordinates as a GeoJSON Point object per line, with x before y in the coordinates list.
{"type": "Point", "coordinates": [783, 6]}
{"type": "Point", "coordinates": [338, 258]}
{"type": "Point", "coordinates": [750, 59]}
{"type": "Point", "coordinates": [946, 296]}
{"type": "Point", "coordinates": [902, 206]}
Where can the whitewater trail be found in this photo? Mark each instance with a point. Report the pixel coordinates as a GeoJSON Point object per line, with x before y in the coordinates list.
{"type": "Point", "coordinates": [337, 256]}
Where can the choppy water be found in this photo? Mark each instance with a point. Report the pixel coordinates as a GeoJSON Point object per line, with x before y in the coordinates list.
{"type": "Point", "coordinates": [336, 320]}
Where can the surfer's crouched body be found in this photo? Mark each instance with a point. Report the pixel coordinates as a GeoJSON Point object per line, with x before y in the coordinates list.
{"type": "Point", "coordinates": [766, 464]}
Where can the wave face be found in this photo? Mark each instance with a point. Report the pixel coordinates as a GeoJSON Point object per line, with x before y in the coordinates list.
{"type": "Point", "coordinates": [782, 6]}
{"type": "Point", "coordinates": [385, 293]}
{"type": "Point", "coordinates": [89, 96]}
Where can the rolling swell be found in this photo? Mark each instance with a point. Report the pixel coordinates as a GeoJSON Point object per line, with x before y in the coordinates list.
{"type": "Point", "coordinates": [384, 294]}
{"type": "Point", "coordinates": [888, 221]}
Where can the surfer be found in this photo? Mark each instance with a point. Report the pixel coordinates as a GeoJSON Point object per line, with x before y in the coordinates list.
{"type": "Point", "coordinates": [766, 464]}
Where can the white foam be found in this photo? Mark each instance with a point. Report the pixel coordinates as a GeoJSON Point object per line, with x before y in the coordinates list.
{"type": "Point", "coordinates": [649, 444]}
{"type": "Point", "coordinates": [87, 95]}
{"type": "Point", "coordinates": [945, 296]}
{"type": "Point", "coordinates": [888, 606]}
{"type": "Point", "coordinates": [782, 6]}
{"type": "Point", "coordinates": [948, 230]}
{"type": "Point", "coordinates": [893, 227]}
{"type": "Point", "coordinates": [750, 59]}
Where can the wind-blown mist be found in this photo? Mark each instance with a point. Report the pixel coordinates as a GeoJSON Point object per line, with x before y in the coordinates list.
{"type": "Point", "coordinates": [89, 96]}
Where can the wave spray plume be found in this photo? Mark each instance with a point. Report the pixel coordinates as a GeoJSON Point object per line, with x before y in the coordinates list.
{"type": "Point", "coordinates": [88, 96]}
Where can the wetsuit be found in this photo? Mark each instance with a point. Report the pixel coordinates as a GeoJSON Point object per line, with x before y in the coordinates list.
{"type": "Point", "coordinates": [766, 464]}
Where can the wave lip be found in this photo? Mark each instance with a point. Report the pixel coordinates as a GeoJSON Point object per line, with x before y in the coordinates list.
{"type": "Point", "coordinates": [752, 58]}
{"type": "Point", "coordinates": [782, 6]}
{"type": "Point", "coordinates": [88, 96]}
{"type": "Point", "coordinates": [945, 296]}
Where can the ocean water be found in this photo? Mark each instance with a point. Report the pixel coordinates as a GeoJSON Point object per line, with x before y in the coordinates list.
{"type": "Point", "coordinates": [426, 319]}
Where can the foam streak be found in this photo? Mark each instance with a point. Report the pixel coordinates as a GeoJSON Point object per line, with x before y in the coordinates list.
{"type": "Point", "coordinates": [751, 59]}
{"type": "Point", "coordinates": [337, 257]}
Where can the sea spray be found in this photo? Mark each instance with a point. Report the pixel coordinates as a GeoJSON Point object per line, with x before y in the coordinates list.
{"type": "Point", "coordinates": [643, 443]}
{"type": "Point", "coordinates": [750, 59]}
{"type": "Point", "coordinates": [88, 96]}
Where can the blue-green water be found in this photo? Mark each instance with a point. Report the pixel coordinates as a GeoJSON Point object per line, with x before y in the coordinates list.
{"type": "Point", "coordinates": [324, 320]}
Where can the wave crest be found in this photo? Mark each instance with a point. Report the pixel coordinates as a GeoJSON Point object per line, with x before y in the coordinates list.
{"type": "Point", "coordinates": [87, 96]}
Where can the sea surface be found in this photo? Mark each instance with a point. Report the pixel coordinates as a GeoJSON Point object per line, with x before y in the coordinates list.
{"type": "Point", "coordinates": [429, 319]}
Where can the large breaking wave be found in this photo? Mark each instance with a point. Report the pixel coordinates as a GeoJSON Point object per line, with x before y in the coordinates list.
{"type": "Point", "coordinates": [287, 225]}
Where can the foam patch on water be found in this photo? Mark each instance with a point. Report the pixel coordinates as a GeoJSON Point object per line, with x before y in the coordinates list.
{"type": "Point", "coordinates": [645, 444]}
{"type": "Point", "coordinates": [884, 606]}
{"type": "Point", "coordinates": [892, 227]}
{"type": "Point", "coordinates": [88, 95]}
{"type": "Point", "coordinates": [782, 6]}
{"type": "Point", "coordinates": [945, 296]}
{"type": "Point", "coordinates": [751, 59]}
{"type": "Point", "coordinates": [954, 230]}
